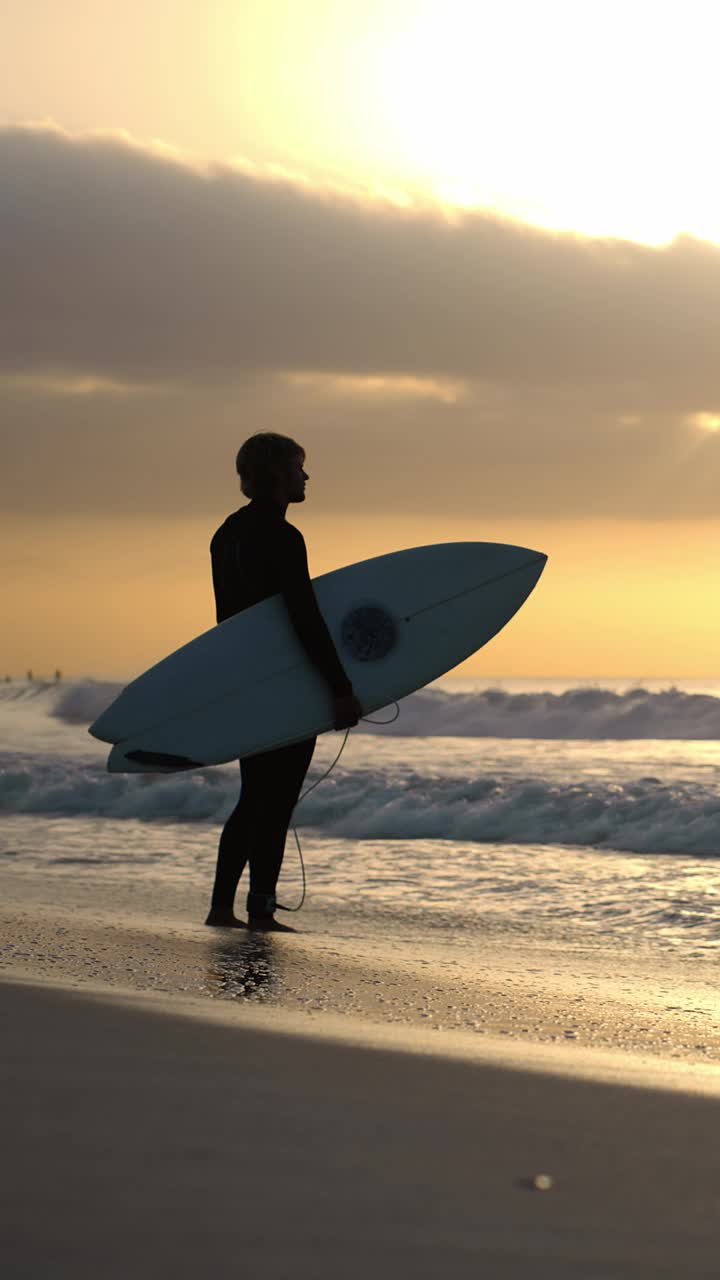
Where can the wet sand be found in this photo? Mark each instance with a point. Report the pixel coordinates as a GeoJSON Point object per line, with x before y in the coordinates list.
{"type": "Point", "coordinates": [372, 976]}
{"type": "Point", "coordinates": [156, 1124]}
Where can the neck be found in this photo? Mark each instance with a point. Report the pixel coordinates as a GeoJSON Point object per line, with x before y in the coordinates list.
{"type": "Point", "coordinates": [272, 500]}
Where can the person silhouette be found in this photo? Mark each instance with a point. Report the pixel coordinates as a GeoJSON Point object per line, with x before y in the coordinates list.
{"type": "Point", "coordinates": [255, 554]}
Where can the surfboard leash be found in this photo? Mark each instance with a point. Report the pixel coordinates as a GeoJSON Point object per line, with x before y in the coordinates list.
{"type": "Point", "coordinates": [316, 783]}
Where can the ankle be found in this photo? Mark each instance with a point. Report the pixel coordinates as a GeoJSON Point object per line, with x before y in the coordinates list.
{"type": "Point", "coordinates": [261, 906]}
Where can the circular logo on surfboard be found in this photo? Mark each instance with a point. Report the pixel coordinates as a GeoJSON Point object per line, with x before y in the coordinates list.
{"type": "Point", "coordinates": [368, 633]}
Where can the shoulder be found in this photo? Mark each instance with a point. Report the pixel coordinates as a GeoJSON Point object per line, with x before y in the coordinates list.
{"type": "Point", "coordinates": [293, 534]}
{"type": "Point", "coordinates": [228, 530]}
{"type": "Point", "coordinates": [293, 541]}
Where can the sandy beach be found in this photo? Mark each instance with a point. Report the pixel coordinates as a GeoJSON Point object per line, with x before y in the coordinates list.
{"type": "Point", "coordinates": [307, 1124]}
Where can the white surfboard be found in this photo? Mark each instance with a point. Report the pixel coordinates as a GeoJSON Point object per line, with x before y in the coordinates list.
{"type": "Point", "coordinates": [246, 686]}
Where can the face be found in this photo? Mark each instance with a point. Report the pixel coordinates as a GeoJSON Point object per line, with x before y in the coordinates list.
{"type": "Point", "coordinates": [295, 479]}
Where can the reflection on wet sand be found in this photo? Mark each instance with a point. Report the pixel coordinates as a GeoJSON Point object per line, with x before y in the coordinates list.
{"type": "Point", "coordinates": [244, 968]}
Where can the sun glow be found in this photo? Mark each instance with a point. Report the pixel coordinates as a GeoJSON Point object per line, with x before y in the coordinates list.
{"type": "Point", "coordinates": [706, 421]}
{"type": "Point", "coordinates": [593, 117]}
{"type": "Point", "coordinates": [597, 117]}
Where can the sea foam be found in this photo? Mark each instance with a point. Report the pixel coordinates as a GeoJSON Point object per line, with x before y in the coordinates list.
{"type": "Point", "coordinates": [642, 815]}
{"type": "Point", "coordinates": [586, 712]}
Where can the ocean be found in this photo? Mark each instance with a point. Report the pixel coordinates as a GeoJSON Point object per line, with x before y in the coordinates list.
{"type": "Point", "coordinates": [572, 810]}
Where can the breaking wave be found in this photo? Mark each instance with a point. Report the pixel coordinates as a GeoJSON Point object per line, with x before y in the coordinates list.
{"type": "Point", "coordinates": [586, 712]}
{"type": "Point", "coordinates": [642, 815]}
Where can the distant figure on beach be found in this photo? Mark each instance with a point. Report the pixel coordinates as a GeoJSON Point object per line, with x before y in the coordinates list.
{"type": "Point", "coordinates": [256, 554]}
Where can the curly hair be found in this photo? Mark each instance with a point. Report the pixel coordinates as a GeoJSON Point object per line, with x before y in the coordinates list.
{"type": "Point", "coordinates": [258, 459]}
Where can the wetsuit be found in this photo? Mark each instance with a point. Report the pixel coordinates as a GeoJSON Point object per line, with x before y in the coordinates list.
{"type": "Point", "coordinates": [256, 554]}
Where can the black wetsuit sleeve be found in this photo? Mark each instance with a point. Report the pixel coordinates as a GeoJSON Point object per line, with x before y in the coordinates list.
{"type": "Point", "coordinates": [311, 628]}
{"type": "Point", "coordinates": [224, 561]}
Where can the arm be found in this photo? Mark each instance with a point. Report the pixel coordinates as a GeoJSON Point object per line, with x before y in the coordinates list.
{"type": "Point", "coordinates": [309, 625]}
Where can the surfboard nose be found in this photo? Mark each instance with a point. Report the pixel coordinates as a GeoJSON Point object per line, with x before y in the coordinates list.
{"type": "Point", "coordinates": [526, 569]}
{"type": "Point", "coordinates": [540, 559]}
{"type": "Point", "coordinates": [529, 562]}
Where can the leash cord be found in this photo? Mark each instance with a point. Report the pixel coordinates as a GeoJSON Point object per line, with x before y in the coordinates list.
{"type": "Point", "coordinates": [316, 783]}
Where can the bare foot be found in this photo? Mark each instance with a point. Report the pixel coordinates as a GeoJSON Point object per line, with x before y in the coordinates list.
{"type": "Point", "coordinates": [224, 919]}
{"type": "Point", "coordinates": [268, 924]}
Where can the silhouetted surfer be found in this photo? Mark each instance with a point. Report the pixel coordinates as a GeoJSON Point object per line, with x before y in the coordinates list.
{"type": "Point", "coordinates": [256, 554]}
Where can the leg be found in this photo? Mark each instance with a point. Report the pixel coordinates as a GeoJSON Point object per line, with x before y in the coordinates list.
{"type": "Point", "coordinates": [256, 831]}
{"type": "Point", "coordinates": [231, 860]}
{"type": "Point", "coordinates": [275, 780]}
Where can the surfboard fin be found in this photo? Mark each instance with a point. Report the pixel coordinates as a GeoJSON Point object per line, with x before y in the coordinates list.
{"type": "Point", "coordinates": [163, 760]}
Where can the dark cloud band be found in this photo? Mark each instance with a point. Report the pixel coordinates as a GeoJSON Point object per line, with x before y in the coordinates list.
{"type": "Point", "coordinates": [153, 315]}
{"type": "Point", "coordinates": [122, 262]}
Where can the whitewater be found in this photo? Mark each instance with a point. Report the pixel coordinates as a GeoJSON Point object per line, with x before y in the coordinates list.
{"type": "Point", "coordinates": [582, 810]}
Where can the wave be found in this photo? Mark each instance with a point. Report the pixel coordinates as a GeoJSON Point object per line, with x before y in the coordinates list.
{"type": "Point", "coordinates": [76, 702]}
{"type": "Point", "coordinates": [585, 712]}
{"type": "Point", "coordinates": [83, 701]}
{"type": "Point", "coordinates": [641, 816]}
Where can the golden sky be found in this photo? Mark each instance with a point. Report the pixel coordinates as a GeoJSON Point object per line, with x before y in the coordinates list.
{"type": "Point", "coordinates": [467, 253]}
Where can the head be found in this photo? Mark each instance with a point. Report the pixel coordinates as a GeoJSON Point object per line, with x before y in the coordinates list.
{"type": "Point", "coordinates": [272, 466]}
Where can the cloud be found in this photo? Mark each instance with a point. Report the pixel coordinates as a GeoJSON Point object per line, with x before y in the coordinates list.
{"type": "Point", "coordinates": [125, 262]}
{"type": "Point", "coordinates": [490, 452]}
{"type": "Point", "coordinates": [154, 313]}
{"type": "Point", "coordinates": [369, 387]}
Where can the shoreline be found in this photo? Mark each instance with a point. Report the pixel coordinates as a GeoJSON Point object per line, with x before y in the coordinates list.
{"type": "Point", "coordinates": [623, 1068]}
{"type": "Point", "coordinates": [594, 1011]}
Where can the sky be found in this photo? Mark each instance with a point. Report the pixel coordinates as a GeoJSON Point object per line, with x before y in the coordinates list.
{"type": "Point", "coordinates": [467, 254]}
